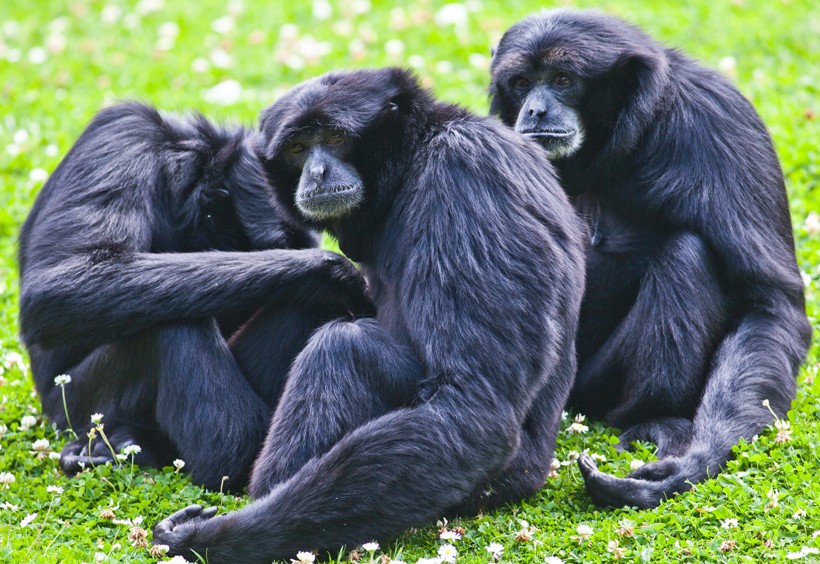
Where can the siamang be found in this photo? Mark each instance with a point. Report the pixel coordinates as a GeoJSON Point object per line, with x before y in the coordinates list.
{"type": "Point", "coordinates": [133, 283]}
{"type": "Point", "coordinates": [693, 313]}
{"type": "Point", "coordinates": [450, 398]}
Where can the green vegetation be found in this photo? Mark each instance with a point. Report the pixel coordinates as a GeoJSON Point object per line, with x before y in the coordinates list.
{"type": "Point", "coordinates": [61, 61]}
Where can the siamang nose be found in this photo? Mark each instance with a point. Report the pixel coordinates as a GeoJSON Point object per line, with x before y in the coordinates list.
{"type": "Point", "coordinates": [317, 170]}
{"type": "Point", "coordinates": [538, 113]}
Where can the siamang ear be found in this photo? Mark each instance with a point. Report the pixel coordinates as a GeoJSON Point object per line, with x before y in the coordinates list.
{"type": "Point", "coordinates": [640, 79]}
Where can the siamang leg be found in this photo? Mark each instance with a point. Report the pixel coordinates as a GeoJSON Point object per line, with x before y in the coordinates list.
{"type": "Point", "coordinates": [349, 373]}
{"type": "Point", "coordinates": [527, 471]}
{"type": "Point", "coordinates": [664, 345]}
{"type": "Point", "coordinates": [206, 406]}
{"type": "Point", "coordinates": [119, 381]}
{"type": "Point", "coordinates": [267, 344]}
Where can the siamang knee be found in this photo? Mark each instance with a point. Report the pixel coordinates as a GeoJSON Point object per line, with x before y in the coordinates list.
{"type": "Point", "coordinates": [350, 372]}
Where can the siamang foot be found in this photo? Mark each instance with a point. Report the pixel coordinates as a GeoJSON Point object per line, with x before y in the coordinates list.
{"type": "Point", "coordinates": [75, 455]}
{"type": "Point", "coordinates": [671, 434]}
{"type": "Point", "coordinates": [644, 488]}
{"type": "Point", "coordinates": [178, 530]}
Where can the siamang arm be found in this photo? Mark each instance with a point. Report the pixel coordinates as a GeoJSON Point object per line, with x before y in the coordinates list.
{"type": "Point", "coordinates": [82, 301]}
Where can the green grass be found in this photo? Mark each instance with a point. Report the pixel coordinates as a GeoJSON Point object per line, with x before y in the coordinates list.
{"type": "Point", "coordinates": [770, 47]}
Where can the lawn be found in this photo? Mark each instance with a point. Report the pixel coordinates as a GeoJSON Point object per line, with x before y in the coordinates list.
{"type": "Point", "coordinates": [62, 61]}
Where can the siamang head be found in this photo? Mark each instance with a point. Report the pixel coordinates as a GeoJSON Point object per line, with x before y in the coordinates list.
{"type": "Point", "coordinates": [327, 143]}
{"type": "Point", "coordinates": [574, 80]}
{"type": "Point", "coordinates": [223, 200]}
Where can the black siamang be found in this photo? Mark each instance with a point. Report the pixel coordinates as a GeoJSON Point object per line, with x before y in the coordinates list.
{"type": "Point", "coordinates": [450, 398]}
{"type": "Point", "coordinates": [131, 282]}
{"type": "Point", "coordinates": [694, 310]}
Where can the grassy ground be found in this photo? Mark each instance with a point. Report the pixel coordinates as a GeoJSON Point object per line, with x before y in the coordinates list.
{"type": "Point", "coordinates": [60, 62]}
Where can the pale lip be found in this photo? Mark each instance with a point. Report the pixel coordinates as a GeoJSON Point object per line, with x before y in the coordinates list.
{"type": "Point", "coordinates": [550, 134]}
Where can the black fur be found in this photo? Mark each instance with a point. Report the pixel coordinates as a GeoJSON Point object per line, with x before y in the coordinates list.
{"type": "Point", "coordinates": [694, 310]}
{"type": "Point", "coordinates": [450, 399]}
{"type": "Point", "coordinates": [131, 282]}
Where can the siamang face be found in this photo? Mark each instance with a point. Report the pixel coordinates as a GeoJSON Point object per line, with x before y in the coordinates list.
{"type": "Point", "coordinates": [542, 101]}
{"type": "Point", "coordinates": [329, 186]}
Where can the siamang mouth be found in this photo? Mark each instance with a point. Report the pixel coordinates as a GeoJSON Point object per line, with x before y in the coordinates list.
{"type": "Point", "coordinates": [551, 134]}
{"type": "Point", "coordinates": [328, 192]}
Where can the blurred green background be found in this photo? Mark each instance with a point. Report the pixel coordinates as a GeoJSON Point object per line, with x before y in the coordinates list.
{"type": "Point", "coordinates": [60, 62]}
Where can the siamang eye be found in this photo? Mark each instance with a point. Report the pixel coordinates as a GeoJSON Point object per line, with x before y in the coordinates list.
{"type": "Point", "coordinates": [223, 192]}
{"type": "Point", "coordinates": [521, 82]}
{"type": "Point", "coordinates": [561, 79]}
{"type": "Point", "coordinates": [335, 139]}
{"type": "Point", "coordinates": [296, 148]}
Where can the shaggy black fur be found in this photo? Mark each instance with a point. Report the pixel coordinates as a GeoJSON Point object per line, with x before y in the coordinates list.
{"type": "Point", "coordinates": [449, 400]}
{"type": "Point", "coordinates": [130, 283]}
{"type": "Point", "coordinates": [694, 310]}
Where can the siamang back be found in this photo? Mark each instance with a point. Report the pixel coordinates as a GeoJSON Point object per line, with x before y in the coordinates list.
{"type": "Point", "coordinates": [450, 399]}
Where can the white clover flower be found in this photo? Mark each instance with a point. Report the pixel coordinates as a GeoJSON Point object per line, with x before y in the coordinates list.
{"type": "Point", "coordinates": [371, 546]}
{"type": "Point", "coordinates": [223, 25]}
{"type": "Point", "coordinates": [200, 64]}
{"type": "Point", "coordinates": [812, 223]}
{"type": "Point", "coordinates": [495, 549]}
{"type": "Point", "coordinates": [578, 428]}
{"type": "Point", "coordinates": [148, 6]}
{"type": "Point", "coordinates": [221, 59]}
{"type": "Point", "coordinates": [28, 519]}
{"type": "Point", "coordinates": [179, 464]}
{"type": "Point", "coordinates": [110, 14]}
{"type": "Point", "coordinates": [553, 560]}
{"type": "Point", "coordinates": [9, 506]}
{"type": "Point", "coordinates": [428, 561]}
{"type": "Point", "coordinates": [479, 61]}
{"type": "Point", "coordinates": [730, 523]}
{"type": "Point", "coordinates": [131, 450]}
{"type": "Point", "coordinates": [20, 137]}
{"type": "Point", "coordinates": [444, 67]}
{"type": "Point", "coordinates": [806, 278]}
{"type": "Point", "coordinates": [40, 445]}
{"type": "Point", "coordinates": [6, 478]}
{"type": "Point", "coordinates": [415, 61]}
{"type": "Point", "coordinates": [448, 553]}
{"type": "Point", "coordinates": [635, 464]}
{"type": "Point", "coordinates": [598, 457]}
{"type": "Point", "coordinates": [394, 48]}
{"type": "Point", "coordinates": [452, 15]}
{"type": "Point", "coordinates": [37, 55]}
{"type": "Point", "coordinates": [322, 10]}
{"type": "Point", "coordinates": [168, 29]}
{"type": "Point", "coordinates": [304, 558]}
{"type": "Point", "coordinates": [449, 535]}
{"type": "Point", "coordinates": [799, 514]}
{"type": "Point", "coordinates": [226, 93]}
{"type": "Point", "coordinates": [728, 65]}
{"type": "Point", "coordinates": [96, 418]}
{"type": "Point", "coordinates": [584, 531]}
{"type": "Point", "coordinates": [54, 489]}
{"type": "Point", "coordinates": [62, 380]}
{"type": "Point", "coordinates": [121, 457]}
{"type": "Point", "coordinates": [361, 6]}
{"type": "Point", "coordinates": [802, 553]}
{"type": "Point", "coordinates": [54, 456]}
{"type": "Point", "coordinates": [3, 429]}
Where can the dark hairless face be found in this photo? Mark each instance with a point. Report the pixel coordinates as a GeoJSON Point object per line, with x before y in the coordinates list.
{"type": "Point", "coordinates": [329, 187]}
{"type": "Point", "coordinates": [547, 99]}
